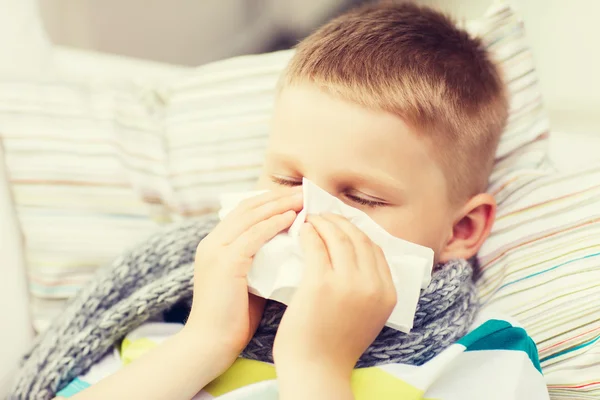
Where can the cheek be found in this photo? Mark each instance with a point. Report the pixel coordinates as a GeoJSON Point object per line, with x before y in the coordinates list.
{"type": "Point", "coordinates": [424, 228]}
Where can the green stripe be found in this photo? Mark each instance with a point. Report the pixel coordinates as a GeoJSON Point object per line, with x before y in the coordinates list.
{"type": "Point", "coordinates": [500, 335]}
{"type": "Point", "coordinates": [76, 386]}
{"type": "Point", "coordinates": [578, 347]}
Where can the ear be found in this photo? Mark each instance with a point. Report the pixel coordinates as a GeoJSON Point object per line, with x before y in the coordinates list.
{"type": "Point", "coordinates": [471, 228]}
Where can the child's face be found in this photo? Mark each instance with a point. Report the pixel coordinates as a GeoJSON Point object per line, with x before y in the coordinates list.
{"type": "Point", "coordinates": [370, 160]}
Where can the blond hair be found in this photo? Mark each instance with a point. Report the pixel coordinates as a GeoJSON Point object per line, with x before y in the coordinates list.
{"type": "Point", "coordinates": [414, 62]}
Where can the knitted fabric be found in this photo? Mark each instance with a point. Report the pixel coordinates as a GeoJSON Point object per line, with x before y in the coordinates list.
{"type": "Point", "coordinates": [158, 274]}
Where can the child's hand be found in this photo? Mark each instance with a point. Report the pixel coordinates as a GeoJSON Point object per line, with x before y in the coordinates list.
{"type": "Point", "coordinates": [223, 313]}
{"type": "Point", "coordinates": [345, 298]}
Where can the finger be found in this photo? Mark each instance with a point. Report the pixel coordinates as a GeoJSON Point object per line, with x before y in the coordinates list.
{"type": "Point", "coordinates": [244, 218]}
{"type": "Point", "coordinates": [315, 253]}
{"type": "Point", "coordinates": [386, 276]}
{"type": "Point", "coordinates": [248, 244]}
{"type": "Point", "coordinates": [363, 245]}
{"type": "Point", "coordinates": [338, 244]}
{"type": "Point", "coordinates": [383, 267]}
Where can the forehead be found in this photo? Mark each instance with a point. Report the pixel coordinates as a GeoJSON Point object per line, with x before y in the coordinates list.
{"type": "Point", "coordinates": [316, 128]}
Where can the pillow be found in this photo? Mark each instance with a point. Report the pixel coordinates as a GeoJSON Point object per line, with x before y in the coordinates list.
{"type": "Point", "coordinates": [76, 203]}
{"type": "Point", "coordinates": [541, 265]}
{"type": "Point", "coordinates": [95, 168]}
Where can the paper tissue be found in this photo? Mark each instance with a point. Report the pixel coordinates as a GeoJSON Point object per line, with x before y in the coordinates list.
{"type": "Point", "coordinates": [277, 267]}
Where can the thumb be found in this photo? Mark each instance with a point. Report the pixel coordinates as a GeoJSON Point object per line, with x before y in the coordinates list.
{"type": "Point", "coordinates": [316, 257]}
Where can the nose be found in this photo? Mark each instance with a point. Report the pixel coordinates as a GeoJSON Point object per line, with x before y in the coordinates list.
{"type": "Point", "coordinates": [323, 183]}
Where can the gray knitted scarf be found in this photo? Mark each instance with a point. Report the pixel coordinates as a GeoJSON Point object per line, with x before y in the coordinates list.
{"type": "Point", "coordinates": [157, 276]}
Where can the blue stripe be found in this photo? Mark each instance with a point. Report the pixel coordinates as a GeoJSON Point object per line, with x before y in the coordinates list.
{"type": "Point", "coordinates": [549, 269]}
{"type": "Point", "coordinates": [581, 346]}
{"type": "Point", "coordinates": [59, 291]}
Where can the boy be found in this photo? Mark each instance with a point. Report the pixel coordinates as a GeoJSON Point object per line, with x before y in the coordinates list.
{"type": "Point", "coordinates": [393, 110]}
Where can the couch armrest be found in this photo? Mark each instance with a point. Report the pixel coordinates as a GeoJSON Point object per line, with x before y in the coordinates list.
{"type": "Point", "coordinates": [17, 332]}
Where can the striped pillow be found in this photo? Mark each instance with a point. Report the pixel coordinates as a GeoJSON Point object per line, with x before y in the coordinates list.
{"type": "Point", "coordinates": [95, 169]}
{"type": "Point", "coordinates": [541, 265]}
{"type": "Point", "coordinates": [73, 184]}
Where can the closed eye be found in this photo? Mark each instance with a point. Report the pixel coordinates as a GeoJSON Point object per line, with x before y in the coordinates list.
{"type": "Point", "coordinates": [286, 182]}
{"type": "Point", "coordinates": [353, 198]}
{"type": "Point", "coordinates": [365, 202]}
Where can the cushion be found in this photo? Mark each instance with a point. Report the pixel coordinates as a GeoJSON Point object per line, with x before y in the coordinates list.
{"type": "Point", "coordinates": [541, 265]}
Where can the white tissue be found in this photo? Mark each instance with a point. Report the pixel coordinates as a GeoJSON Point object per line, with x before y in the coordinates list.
{"type": "Point", "coordinates": [277, 267]}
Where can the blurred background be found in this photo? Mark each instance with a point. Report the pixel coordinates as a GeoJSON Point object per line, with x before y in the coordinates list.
{"type": "Point", "coordinates": [186, 32]}
{"type": "Point", "coordinates": [192, 32]}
